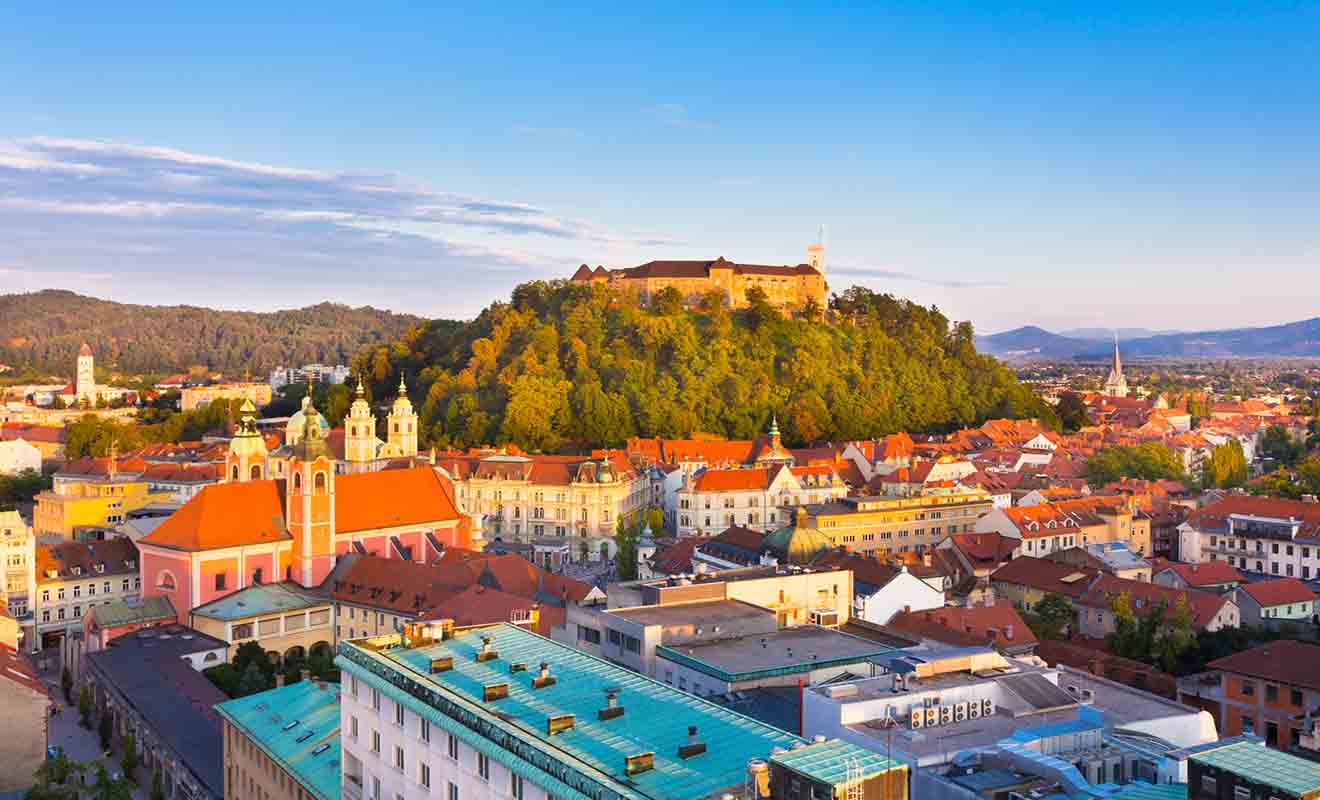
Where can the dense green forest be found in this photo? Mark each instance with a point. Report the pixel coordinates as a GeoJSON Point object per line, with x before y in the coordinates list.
{"type": "Point", "coordinates": [565, 365]}
{"type": "Point", "coordinates": [44, 330]}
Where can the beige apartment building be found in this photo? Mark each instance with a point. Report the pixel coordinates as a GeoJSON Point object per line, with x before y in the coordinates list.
{"type": "Point", "coordinates": [898, 525]}
{"type": "Point", "coordinates": [194, 397]}
{"type": "Point", "coordinates": [521, 498]}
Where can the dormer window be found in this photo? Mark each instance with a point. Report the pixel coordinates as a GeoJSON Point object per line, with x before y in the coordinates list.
{"type": "Point", "coordinates": [131, 563]}
{"type": "Point", "coordinates": [100, 567]}
{"type": "Point", "coordinates": [77, 570]}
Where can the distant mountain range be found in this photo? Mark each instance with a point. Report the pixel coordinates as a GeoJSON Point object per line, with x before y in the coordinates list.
{"type": "Point", "coordinates": [1106, 334]}
{"type": "Point", "coordinates": [1294, 339]}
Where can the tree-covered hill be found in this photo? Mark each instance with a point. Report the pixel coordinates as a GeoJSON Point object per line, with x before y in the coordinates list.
{"type": "Point", "coordinates": [566, 365]}
{"type": "Point", "coordinates": [44, 330]}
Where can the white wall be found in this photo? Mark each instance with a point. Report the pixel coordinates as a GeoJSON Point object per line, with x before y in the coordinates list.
{"type": "Point", "coordinates": [904, 591]}
{"type": "Point", "coordinates": [395, 782]}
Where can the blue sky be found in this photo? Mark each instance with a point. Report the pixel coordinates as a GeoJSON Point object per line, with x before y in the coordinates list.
{"type": "Point", "coordinates": [1133, 164]}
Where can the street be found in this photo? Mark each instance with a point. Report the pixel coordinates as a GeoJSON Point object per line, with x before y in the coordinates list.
{"type": "Point", "coordinates": [81, 745]}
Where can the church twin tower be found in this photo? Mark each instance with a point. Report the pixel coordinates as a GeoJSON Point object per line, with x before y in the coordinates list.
{"type": "Point", "coordinates": [248, 458]}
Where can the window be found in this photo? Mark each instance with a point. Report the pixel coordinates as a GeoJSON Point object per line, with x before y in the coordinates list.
{"type": "Point", "coordinates": [424, 774]}
{"type": "Point", "coordinates": [453, 747]}
{"type": "Point", "coordinates": [1249, 688]}
{"type": "Point", "coordinates": [375, 699]}
{"type": "Point", "coordinates": [398, 757]}
{"type": "Point", "coordinates": [352, 727]}
{"type": "Point", "coordinates": [398, 714]}
{"type": "Point", "coordinates": [1295, 696]}
{"type": "Point", "coordinates": [220, 582]}
{"type": "Point", "coordinates": [375, 788]}
{"type": "Point", "coordinates": [453, 792]}
{"type": "Point", "coordinates": [1271, 692]}
{"type": "Point", "coordinates": [483, 766]}
{"type": "Point", "coordinates": [375, 742]}
{"type": "Point", "coordinates": [515, 787]}
{"type": "Point", "coordinates": [424, 730]}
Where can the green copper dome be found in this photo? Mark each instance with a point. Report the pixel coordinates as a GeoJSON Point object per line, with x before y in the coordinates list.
{"type": "Point", "coordinates": [797, 543]}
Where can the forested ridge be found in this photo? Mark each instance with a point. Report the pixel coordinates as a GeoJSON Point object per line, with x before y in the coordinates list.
{"type": "Point", "coordinates": [568, 366]}
{"type": "Point", "coordinates": [43, 331]}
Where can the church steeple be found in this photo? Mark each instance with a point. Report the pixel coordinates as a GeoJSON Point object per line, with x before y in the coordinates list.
{"type": "Point", "coordinates": [1116, 384]}
{"type": "Point", "coordinates": [401, 425]}
{"type": "Point", "coordinates": [246, 459]}
{"type": "Point", "coordinates": [360, 432]}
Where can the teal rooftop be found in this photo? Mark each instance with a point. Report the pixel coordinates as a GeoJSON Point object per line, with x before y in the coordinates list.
{"type": "Point", "coordinates": [1263, 765]}
{"type": "Point", "coordinates": [312, 760]}
{"type": "Point", "coordinates": [262, 598]}
{"type": "Point", "coordinates": [834, 762]}
{"type": "Point", "coordinates": [655, 719]}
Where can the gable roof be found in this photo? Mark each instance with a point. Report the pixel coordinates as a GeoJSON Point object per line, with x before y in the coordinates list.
{"type": "Point", "coordinates": [999, 624]}
{"type": "Point", "coordinates": [391, 498]}
{"type": "Point", "coordinates": [63, 558]}
{"type": "Point", "coordinates": [1288, 661]}
{"type": "Point", "coordinates": [1281, 592]}
{"type": "Point", "coordinates": [1209, 573]}
{"type": "Point", "coordinates": [1146, 596]}
{"type": "Point", "coordinates": [1214, 517]}
{"type": "Point", "coordinates": [225, 515]}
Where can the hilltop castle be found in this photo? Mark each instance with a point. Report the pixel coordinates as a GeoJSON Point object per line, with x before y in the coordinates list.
{"type": "Point", "coordinates": [787, 287]}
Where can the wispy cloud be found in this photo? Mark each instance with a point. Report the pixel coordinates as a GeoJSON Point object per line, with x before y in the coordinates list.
{"type": "Point", "coordinates": [944, 283]}
{"type": "Point", "coordinates": [676, 115]}
{"type": "Point", "coordinates": [167, 216]}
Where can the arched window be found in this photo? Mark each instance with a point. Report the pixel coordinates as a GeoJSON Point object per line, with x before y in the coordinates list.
{"type": "Point", "coordinates": [233, 473]}
{"type": "Point", "coordinates": [255, 473]}
{"type": "Point", "coordinates": [318, 483]}
{"type": "Point", "coordinates": [297, 483]}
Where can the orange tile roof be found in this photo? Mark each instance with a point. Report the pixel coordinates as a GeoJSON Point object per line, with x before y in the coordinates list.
{"type": "Point", "coordinates": [225, 515]}
{"type": "Point", "coordinates": [982, 623]}
{"type": "Point", "coordinates": [391, 498]}
{"type": "Point", "coordinates": [733, 480]}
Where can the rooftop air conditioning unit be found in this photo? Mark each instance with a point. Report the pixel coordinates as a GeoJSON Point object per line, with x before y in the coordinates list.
{"type": "Point", "coordinates": [918, 718]}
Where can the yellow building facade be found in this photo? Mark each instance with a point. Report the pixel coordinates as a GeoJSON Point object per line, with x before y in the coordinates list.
{"type": "Point", "coordinates": [100, 505]}
{"type": "Point", "coordinates": [898, 525]}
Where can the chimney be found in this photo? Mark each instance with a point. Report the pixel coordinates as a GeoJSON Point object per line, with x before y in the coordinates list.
{"type": "Point", "coordinates": [487, 653]}
{"type": "Point", "coordinates": [612, 708]}
{"type": "Point", "coordinates": [694, 746]}
{"type": "Point", "coordinates": [543, 678]}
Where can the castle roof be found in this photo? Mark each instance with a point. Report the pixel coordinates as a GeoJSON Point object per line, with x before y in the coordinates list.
{"type": "Point", "coordinates": [695, 269]}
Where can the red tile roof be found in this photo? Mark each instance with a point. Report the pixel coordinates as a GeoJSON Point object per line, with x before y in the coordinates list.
{"type": "Point", "coordinates": [733, 480]}
{"type": "Point", "coordinates": [1211, 573]}
{"type": "Point", "coordinates": [15, 667]}
{"type": "Point", "coordinates": [1285, 661]}
{"type": "Point", "coordinates": [999, 623]}
{"type": "Point", "coordinates": [1281, 592]}
{"type": "Point", "coordinates": [1146, 596]}
{"type": "Point", "coordinates": [113, 555]}
{"type": "Point", "coordinates": [986, 549]}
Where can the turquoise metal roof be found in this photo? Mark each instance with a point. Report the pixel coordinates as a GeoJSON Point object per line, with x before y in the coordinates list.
{"type": "Point", "coordinates": [1147, 791]}
{"type": "Point", "coordinates": [1265, 765]}
{"type": "Point", "coordinates": [255, 601]}
{"type": "Point", "coordinates": [656, 717]}
{"type": "Point", "coordinates": [265, 716]}
{"type": "Point", "coordinates": [832, 761]}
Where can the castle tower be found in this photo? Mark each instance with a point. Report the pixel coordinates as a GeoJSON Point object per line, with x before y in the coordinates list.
{"type": "Point", "coordinates": [310, 511]}
{"type": "Point", "coordinates": [1116, 384]}
{"type": "Point", "coordinates": [816, 252]}
{"type": "Point", "coordinates": [402, 423]}
{"type": "Point", "coordinates": [84, 386]}
{"type": "Point", "coordinates": [246, 459]}
{"type": "Point", "coordinates": [360, 433]}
